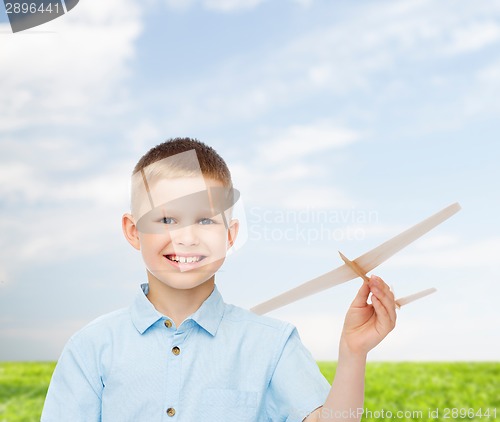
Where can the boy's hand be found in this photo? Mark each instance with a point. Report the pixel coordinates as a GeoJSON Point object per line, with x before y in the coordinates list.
{"type": "Point", "coordinates": [367, 324]}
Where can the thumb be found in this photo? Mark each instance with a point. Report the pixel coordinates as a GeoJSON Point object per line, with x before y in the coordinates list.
{"type": "Point", "coordinates": [362, 296]}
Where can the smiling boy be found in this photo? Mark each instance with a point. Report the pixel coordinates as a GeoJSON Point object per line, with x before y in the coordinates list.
{"type": "Point", "coordinates": [179, 353]}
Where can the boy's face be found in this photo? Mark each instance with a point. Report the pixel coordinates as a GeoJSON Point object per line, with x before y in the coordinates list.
{"type": "Point", "coordinates": [184, 240]}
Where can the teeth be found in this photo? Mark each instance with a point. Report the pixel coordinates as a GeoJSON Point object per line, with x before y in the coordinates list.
{"type": "Point", "coordinates": [184, 259]}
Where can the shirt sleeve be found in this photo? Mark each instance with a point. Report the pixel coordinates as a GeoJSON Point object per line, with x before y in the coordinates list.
{"type": "Point", "coordinates": [75, 389]}
{"type": "Point", "coordinates": [297, 386]}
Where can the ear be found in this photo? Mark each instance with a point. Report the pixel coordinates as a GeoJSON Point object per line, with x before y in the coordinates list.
{"type": "Point", "coordinates": [232, 232]}
{"type": "Point", "coordinates": [130, 231]}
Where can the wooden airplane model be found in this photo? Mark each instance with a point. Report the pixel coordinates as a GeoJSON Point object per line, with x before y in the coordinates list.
{"type": "Point", "coordinates": [361, 265]}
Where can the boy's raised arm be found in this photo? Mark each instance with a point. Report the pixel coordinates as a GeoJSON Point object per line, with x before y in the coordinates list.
{"type": "Point", "coordinates": [365, 326]}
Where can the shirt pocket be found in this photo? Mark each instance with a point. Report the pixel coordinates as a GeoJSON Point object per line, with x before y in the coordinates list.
{"type": "Point", "coordinates": [221, 404]}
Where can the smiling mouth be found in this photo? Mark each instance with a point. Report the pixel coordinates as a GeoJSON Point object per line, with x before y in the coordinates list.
{"type": "Point", "coordinates": [185, 259]}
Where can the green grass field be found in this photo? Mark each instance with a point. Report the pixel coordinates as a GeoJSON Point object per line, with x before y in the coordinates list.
{"type": "Point", "coordinates": [412, 388]}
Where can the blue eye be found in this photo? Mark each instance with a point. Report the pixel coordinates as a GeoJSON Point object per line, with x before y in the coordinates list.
{"type": "Point", "coordinates": [205, 221]}
{"type": "Point", "coordinates": [167, 220]}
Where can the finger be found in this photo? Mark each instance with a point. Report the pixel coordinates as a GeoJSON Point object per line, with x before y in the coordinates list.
{"type": "Point", "coordinates": [383, 317]}
{"type": "Point", "coordinates": [384, 287]}
{"type": "Point", "coordinates": [390, 305]}
{"type": "Point", "coordinates": [362, 296]}
{"type": "Point", "coordinates": [377, 281]}
{"type": "Point", "coordinates": [387, 301]}
{"type": "Point", "coordinates": [386, 297]}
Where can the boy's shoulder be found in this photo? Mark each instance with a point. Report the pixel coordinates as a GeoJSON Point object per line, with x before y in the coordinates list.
{"type": "Point", "coordinates": [102, 325]}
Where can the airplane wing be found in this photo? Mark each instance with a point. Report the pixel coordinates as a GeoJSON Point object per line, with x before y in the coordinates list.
{"type": "Point", "coordinates": [367, 261]}
{"type": "Point", "coordinates": [332, 278]}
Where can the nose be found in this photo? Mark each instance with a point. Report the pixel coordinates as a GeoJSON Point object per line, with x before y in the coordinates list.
{"type": "Point", "coordinates": [185, 236]}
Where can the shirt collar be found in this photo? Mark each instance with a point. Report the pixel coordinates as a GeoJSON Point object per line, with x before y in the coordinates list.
{"type": "Point", "coordinates": [210, 313]}
{"type": "Point", "coordinates": [208, 316]}
{"type": "Point", "coordinates": [143, 313]}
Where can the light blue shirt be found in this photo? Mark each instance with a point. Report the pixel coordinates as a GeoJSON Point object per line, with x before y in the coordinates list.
{"type": "Point", "coordinates": [223, 363]}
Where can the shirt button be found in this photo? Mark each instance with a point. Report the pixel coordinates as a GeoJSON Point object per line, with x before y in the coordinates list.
{"type": "Point", "coordinates": [176, 351]}
{"type": "Point", "coordinates": [170, 411]}
{"type": "Point", "coordinates": [168, 323]}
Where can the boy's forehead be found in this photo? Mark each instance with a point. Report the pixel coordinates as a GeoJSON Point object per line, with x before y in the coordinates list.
{"type": "Point", "coordinates": [169, 189]}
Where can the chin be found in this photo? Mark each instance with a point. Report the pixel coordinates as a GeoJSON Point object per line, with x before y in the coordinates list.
{"type": "Point", "coordinates": [185, 286]}
{"type": "Point", "coordinates": [182, 281]}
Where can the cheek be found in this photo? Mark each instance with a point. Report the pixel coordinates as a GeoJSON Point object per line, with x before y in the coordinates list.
{"type": "Point", "coordinates": [218, 246]}
{"type": "Point", "coordinates": [153, 243]}
{"type": "Point", "coordinates": [214, 237]}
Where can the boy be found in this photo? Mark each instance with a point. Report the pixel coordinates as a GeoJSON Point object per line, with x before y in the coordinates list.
{"type": "Point", "coordinates": [179, 353]}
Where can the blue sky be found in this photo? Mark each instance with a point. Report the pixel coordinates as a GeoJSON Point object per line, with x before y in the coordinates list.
{"type": "Point", "coordinates": [374, 114]}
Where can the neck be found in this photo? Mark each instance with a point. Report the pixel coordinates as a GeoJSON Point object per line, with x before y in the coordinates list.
{"type": "Point", "coordinates": [178, 304]}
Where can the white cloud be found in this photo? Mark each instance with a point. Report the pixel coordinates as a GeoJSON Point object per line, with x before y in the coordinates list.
{"type": "Point", "coordinates": [284, 156]}
{"type": "Point", "coordinates": [474, 37]}
{"type": "Point", "coordinates": [300, 141]}
{"type": "Point", "coordinates": [109, 186]}
{"type": "Point", "coordinates": [294, 171]}
{"type": "Point", "coordinates": [429, 243]}
{"type": "Point", "coordinates": [222, 6]}
{"type": "Point", "coordinates": [143, 135]}
{"type": "Point", "coordinates": [428, 336]}
{"type": "Point", "coordinates": [35, 177]}
{"type": "Point", "coordinates": [60, 200]}
{"type": "Point", "coordinates": [482, 100]}
{"type": "Point", "coordinates": [490, 75]}
{"type": "Point", "coordinates": [330, 61]}
{"type": "Point", "coordinates": [72, 67]}
{"type": "Point", "coordinates": [480, 254]}
{"type": "Point", "coordinates": [325, 197]}
{"type": "Point", "coordinates": [17, 178]}
{"type": "Point", "coordinates": [226, 6]}
{"type": "Point", "coordinates": [63, 237]}
{"type": "Point", "coordinates": [179, 5]}
{"type": "Point", "coordinates": [231, 5]}
{"type": "Point", "coordinates": [410, 31]}
{"type": "Point", "coordinates": [54, 236]}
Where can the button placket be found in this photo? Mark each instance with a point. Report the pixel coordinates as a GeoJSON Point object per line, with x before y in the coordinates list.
{"type": "Point", "coordinates": [174, 365]}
